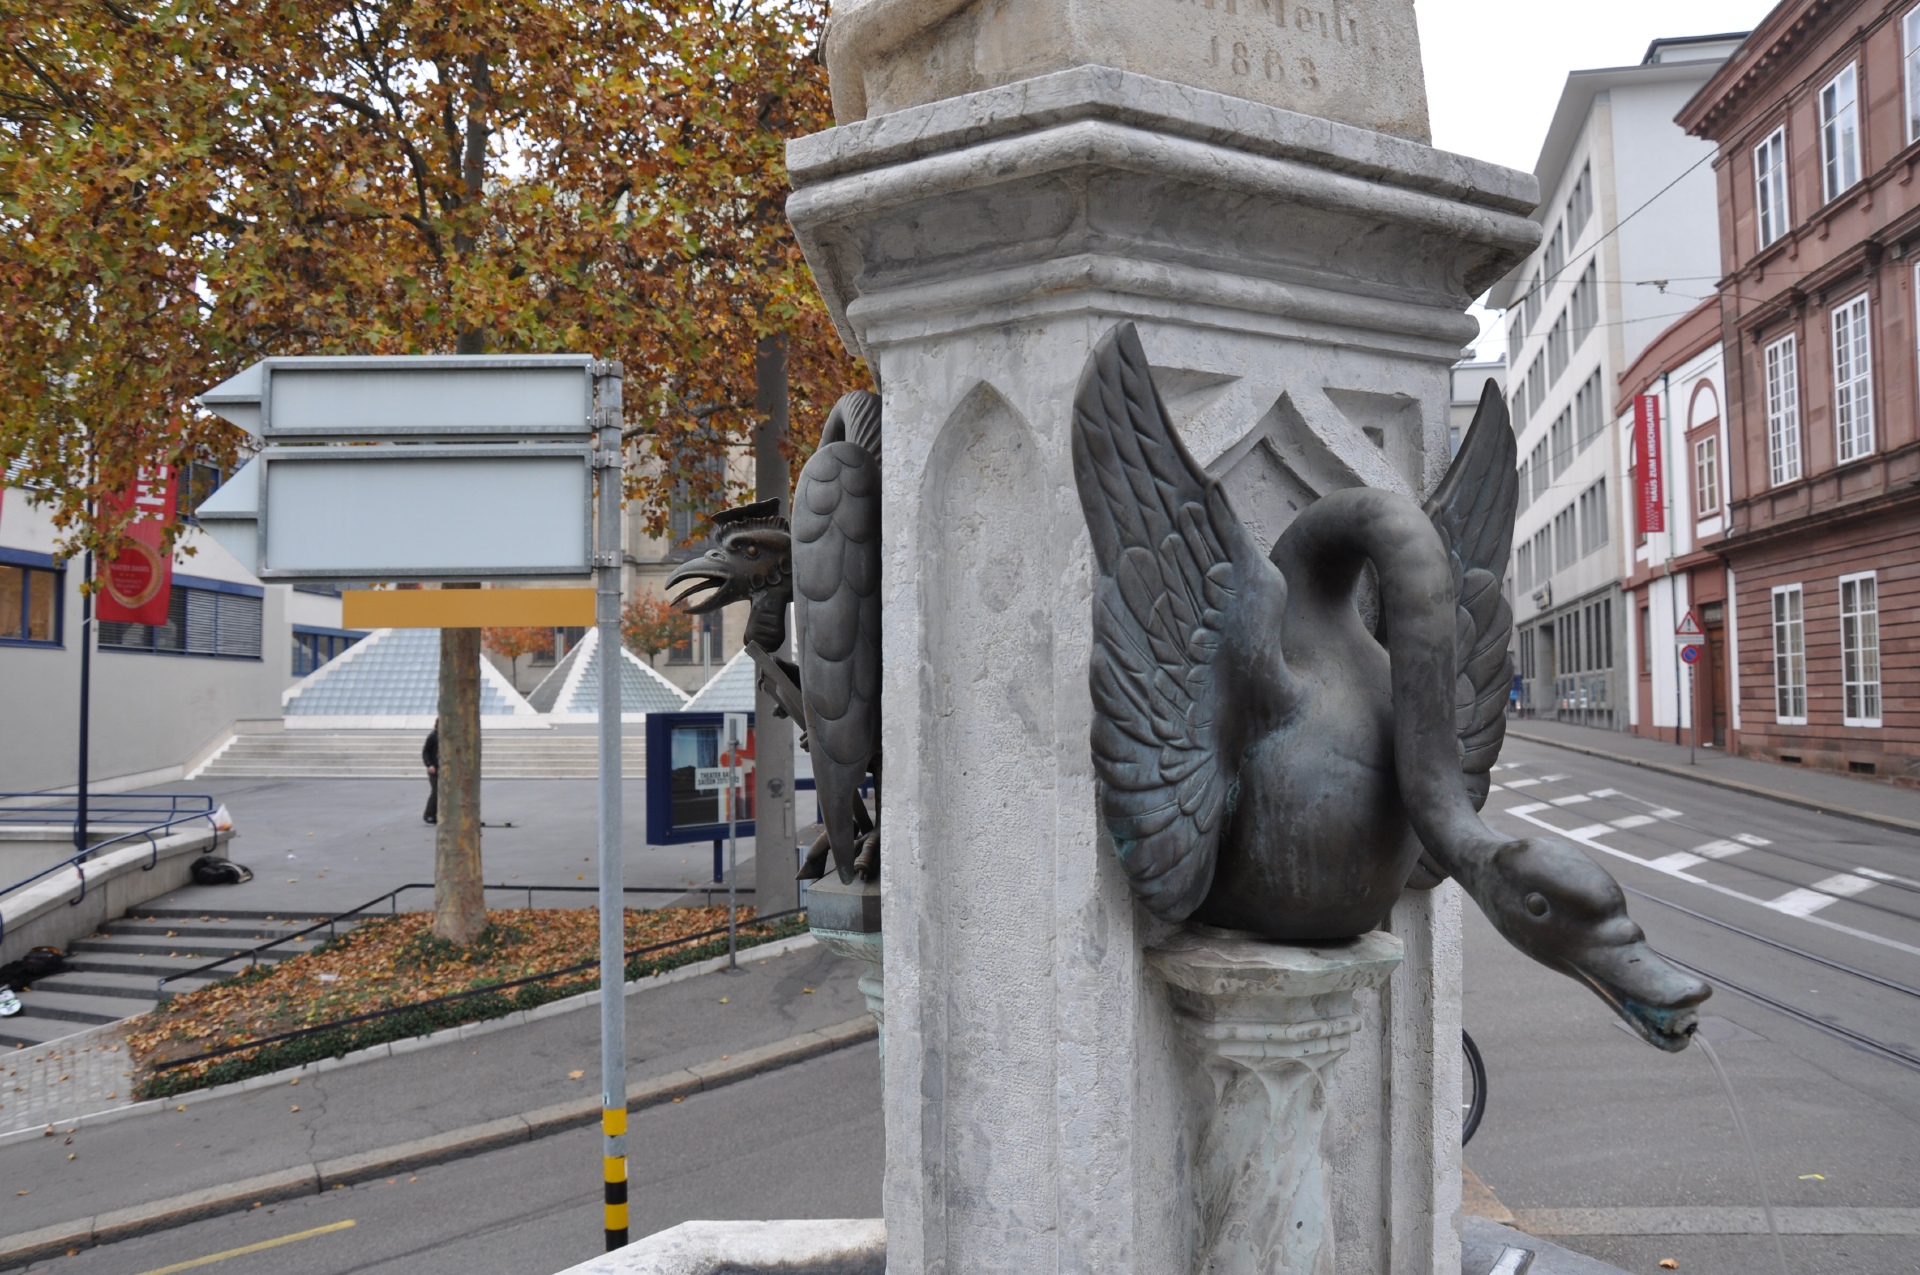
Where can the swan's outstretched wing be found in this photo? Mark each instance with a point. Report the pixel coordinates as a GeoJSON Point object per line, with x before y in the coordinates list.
{"type": "Point", "coordinates": [1473, 511]}
{"type": "Point", "coordinates": [1173, 561]}
{"type": "Point", "coordinates": [836, 611]}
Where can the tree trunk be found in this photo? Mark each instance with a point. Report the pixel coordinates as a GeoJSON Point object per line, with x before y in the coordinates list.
{"type": "Point", "coordinates": [774, 862]}
{"type": "Point", "coordinates": [459, 905]}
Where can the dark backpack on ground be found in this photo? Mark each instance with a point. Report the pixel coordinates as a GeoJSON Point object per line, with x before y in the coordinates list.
{"type": "Point", "coordinates": [211, 870]}
{"type": "Point", "coordinates": [36, 964]}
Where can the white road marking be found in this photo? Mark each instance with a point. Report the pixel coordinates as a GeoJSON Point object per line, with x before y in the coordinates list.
{"type": "Point", "coordinates": [1751, 840]}
{"type": "Point", "coordinates": [1591, 830]}
{"type": "Point", "coordinates": [1676, 863]}
{"type": "Point", "coordinates": [1719, 849]}
{"type": "Point", "coordinates": [1574, 800]}
{"type": "Point", "coordinates": [1634, 821]}
{"type": "Point", "coordinates": [1664, 813]}
{"type": "Point", "coordinates": [1526, 813]}
{"type": "Point", "coordinates": [1522, 783]}
{"type": "Point", "coordinates": [1553, 779]}
{"type": "Point", "coordinates": [1603, 793]}
{"type": "Point", "coordinates": [1801, 902]}
{"type": "Point", "coordinates": [1887, 876]}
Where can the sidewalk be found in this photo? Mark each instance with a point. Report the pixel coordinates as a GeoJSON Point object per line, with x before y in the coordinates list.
{"type": "Point", "coordinates": [202, 1142]}
{"type": "Point", "coordinates": [1867, 800]}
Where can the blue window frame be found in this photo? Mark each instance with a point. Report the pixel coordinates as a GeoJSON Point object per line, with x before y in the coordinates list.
{"type": "Point", "coordinates": [32, 599]}
{"type": "Point", "coordinates": [314, 646]}
{"type": "Point", "coordinates": [217, 619]}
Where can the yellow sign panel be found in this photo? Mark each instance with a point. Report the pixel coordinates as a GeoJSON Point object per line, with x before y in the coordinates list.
{"type": "Point", "coordinates": [465, 608]}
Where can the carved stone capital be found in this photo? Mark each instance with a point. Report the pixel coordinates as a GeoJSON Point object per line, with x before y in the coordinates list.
{"type": "Point", "coordinates": [1268, 1023]}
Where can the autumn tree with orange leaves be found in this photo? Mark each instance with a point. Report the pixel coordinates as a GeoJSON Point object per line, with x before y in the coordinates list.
{"type": "Point", "coordinates": [187, 186]}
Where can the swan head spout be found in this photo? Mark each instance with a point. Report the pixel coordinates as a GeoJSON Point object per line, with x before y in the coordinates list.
{"type": "Point", "coordinates": [1561, 908]}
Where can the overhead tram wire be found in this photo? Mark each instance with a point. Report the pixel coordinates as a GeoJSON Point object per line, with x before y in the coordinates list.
{"type": "Point", "coordinates": [1841, 966]}
{"type": "Point", "coordinates": [1890, 1052]}
{"type": "Point", "coordinates": [1557, 275]}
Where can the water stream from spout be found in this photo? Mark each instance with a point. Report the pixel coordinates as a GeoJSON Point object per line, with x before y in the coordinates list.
{"type": "Point", "coordinates": [1746, 1140]}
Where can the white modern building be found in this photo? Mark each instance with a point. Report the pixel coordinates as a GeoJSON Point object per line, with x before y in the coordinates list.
{"type": "Point", "coordinates": [1631, 243]}
{"type": "Point", "coordinates": [163, 696]}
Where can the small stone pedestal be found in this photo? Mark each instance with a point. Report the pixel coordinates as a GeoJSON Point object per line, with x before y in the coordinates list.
{"type": "Point", "coordinates": [846, 920]}
{"type": "Point", "coordinates": [1268, 1023]}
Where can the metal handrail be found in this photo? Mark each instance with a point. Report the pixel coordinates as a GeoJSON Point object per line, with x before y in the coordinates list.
{"type": "Point", "coordinates": [35, 807]}
{"type": "Point", "coordinates": [392, 899]}
{"type": "Point", "coordinates": [77, 860]}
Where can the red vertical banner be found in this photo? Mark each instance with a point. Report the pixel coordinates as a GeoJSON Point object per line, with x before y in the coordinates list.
{"type": "Point", "coordinates": [1653, 475]}
{"type": "Point", "coordinates": [136, 587]}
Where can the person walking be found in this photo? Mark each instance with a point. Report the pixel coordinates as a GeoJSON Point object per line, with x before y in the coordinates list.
{"type": "Point", "coordinates": [430, 755]}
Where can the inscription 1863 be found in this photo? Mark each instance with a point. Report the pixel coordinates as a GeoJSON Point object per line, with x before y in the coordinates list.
{"type": "Point", "coordinates": [1295, 23]}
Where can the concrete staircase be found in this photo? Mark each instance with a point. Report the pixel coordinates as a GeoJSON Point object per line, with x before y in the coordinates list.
{"type": "Point", "coordinates": [115, 974]}
{"type": "Point", "coordinates": [304, 754]}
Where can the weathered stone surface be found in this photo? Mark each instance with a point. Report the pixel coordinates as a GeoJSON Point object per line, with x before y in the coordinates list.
{"type": "Point", "coordinates": [855, 1246]}
{"type": "Point", "coordinates": [1268, 1024]}
{"type": "Point", "coordinates": [1299, 287]}
{"type": "Point", "coordinates": [1355, 61]}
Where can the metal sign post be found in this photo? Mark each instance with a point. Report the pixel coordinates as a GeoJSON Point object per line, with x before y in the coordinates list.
{"type": "Point", "coordinates": [408, 468]}
{"type": "Point", "coordinates": [608, 468]}
{"type": "Point", "coordinates": [736, 736]}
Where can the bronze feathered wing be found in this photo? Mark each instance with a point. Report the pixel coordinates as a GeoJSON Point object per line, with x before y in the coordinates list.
{"type": "Point", "coordinates": [836, 611]}
{"type": "Point", "coordinates": [1172, 562]}
{"type": "Point", "coordinates": [1473, 510]}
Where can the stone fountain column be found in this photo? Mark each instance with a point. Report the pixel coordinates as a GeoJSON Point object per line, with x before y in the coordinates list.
{"type": "Point", "coordinates": [1248, 181]}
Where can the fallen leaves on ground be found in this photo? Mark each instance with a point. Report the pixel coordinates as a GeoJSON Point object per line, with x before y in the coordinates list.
{"type": "Point", "coordinates": [393, 962]}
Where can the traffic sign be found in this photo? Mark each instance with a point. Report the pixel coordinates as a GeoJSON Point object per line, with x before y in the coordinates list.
{"type": "Point", "coordinates": [410, 468]}
{"type": "Point", "coordinates": [1689, 628]}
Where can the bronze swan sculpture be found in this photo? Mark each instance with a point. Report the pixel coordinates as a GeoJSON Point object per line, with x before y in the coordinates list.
{"type": "Point", "coordinates": [1269, 764]}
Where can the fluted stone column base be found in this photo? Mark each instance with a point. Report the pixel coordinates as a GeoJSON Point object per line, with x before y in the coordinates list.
{"type": "Point", "coordinates": [1266, 1024]}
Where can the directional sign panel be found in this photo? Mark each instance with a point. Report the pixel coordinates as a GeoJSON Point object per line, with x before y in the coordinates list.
{"type": "Point", "coordinates": [416, 397]}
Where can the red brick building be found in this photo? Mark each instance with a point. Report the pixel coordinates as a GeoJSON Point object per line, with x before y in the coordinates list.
{"type": "Point", "coordinates": [1817, 119]}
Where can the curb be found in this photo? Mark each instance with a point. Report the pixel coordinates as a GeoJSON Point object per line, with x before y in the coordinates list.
{"type": "Point", "coordinates": [1891, 822]}
{"type": "Point", "coordinates": [445, 1036]}
{"type": "Point", "coordinates": [456, 1144]}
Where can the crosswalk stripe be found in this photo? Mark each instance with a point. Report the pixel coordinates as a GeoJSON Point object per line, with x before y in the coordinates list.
{"type": "Point", "coordinates": [1634, 821]}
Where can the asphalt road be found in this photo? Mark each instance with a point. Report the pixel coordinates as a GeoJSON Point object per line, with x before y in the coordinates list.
{"type": "Point", "coordinates": [1809, 927]}
{"type": "Point", "coordinates": [326, 845]}
{"type": "Point", "coordinates": [802, 1142]}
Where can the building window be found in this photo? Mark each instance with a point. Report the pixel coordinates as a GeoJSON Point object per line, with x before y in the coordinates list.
{"type": "Point", "coordinates": [30, 597]}
{"type": "Point", "coordinates": [1910, 45]}
{"type": "Point", "coordinates": [1593, 518]}
{"type": "Point", "coordinates": [1706, 476]}
{"type": "Point", "coordinates": [313, 647]}
{"type": "Point", "coordinates": [1542, 555]}
{"type": "Point", "coordinates": [1519, 409]}
{"type": "Point", "coordinates": [688, 651]}
{"type": "Point", "coordinates": [193, 483]}
{"type": "Point", "coordinates": [1789, 657]}
{"type": "Point", "coordinates": [1565, 545]}
{"type": "Point", "coordinates": [1853, 379]}
{"type": "Point", "coordinates": [1860, 648]}
{"type": "Point", "coordinates": [223, 620]}
{"type": "Point", "coordinates": [1840, 133]}
{"type": "Point", "coordinates": [1526, 487]}
{"type": "Point", "coordinates": [1586, 304]}
{"type": "Point", "coordinates": [1580, 204]}
{"type": "Point", "coordinates": [1589, 411]}
{"type": "Point", "coordinates": [1537, 466]}
{"type": "Point", "coordinates": [1783, 411]}
{"type": "Point", "coordinates": [1531, 302]}
{"type": "Point", "coordinates": [1557, 252]}
{"type": "Point", "coordinates": [1646, 641]}
{"type": "Point", "coordinates": [1561, 436]}
{"type": "Point", "coordinates": [1516, 337]}
{"type": "Point", "coordinates": [1770, 182]}
{"type": "Point", "coordinates": [1537, 382]}
{"type": "Point", "coordinates": [1523, 567]}
{"type": "Point", "coordinates": [1558, 351]}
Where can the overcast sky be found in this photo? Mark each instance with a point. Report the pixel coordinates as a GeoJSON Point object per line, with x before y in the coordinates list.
{"type": "Point", "coordinates": [1495, 68]}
